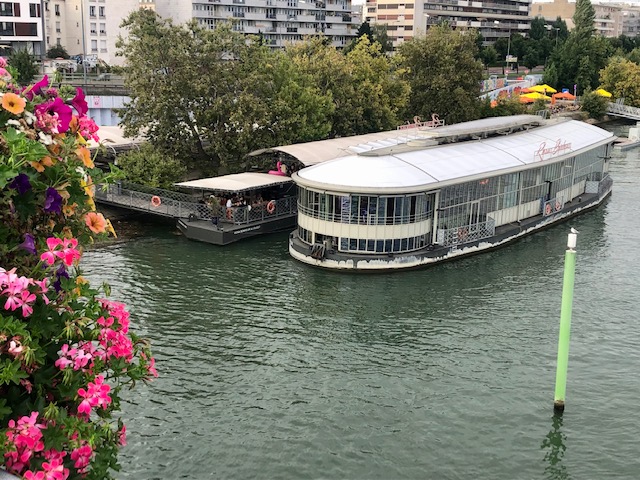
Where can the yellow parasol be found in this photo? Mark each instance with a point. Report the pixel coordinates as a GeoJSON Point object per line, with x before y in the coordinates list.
{"type": "Point", "coordinates": [535, 96]}
{"type": "Point", "coordinates": [543, 89]}
{"type": "Point", "coordinates": [603, 93]}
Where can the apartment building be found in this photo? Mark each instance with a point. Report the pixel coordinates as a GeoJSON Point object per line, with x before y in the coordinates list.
{"type": "Point", "coordinates": [406, 18]}
{"type": "Point", "coordinates": [279, 22]}
{"type": "Point", "coordinates": [609, 21]}
{"type": "Point", "coordinates": [88, 27]}
{"type": "Point", "coordinates": [21, 27]}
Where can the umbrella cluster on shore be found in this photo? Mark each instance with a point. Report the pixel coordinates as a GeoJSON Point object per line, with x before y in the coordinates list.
{"type": "Point", "coordinates": [541, 92]}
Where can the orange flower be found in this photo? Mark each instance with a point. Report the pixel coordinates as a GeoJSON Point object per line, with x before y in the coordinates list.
{"type": "Point", "coordinates": [44, 162]}
{"type": "Point", "coordinates": [96, 222]}
{"type": "Point", "coordinates": [69, 210]}
{"type": "Point", "coordinates": [13, 103]}
{"type": "Point", "coordinates": [84, 155]}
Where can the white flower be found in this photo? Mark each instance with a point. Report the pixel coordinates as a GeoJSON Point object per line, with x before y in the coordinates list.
{"type": "Point", "coordinates": [44, 138]}
{"type": "Point", "coordinates": [29, 117]}
{"type": "Point", "coordinates": [15, 123]}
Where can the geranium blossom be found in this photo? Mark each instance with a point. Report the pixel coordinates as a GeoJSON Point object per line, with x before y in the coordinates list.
{"type": "Point", "coordinates": [96, 395]}
{"type": "Point", "coordinates": [53, 116]}
{"type": "Point", "coordinates": [13, 103]}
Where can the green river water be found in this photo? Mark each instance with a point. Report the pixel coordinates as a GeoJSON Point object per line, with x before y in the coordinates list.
{"type": "Point", "coordinates": [271, 369]}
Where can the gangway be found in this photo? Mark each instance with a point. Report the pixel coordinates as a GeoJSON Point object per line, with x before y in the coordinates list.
{"type": "Point", "coordinates": [619, 109]}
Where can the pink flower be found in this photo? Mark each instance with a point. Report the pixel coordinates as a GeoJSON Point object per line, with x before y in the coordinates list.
{"type": "Point", "coordinates": [82, 457]}
{"type": "Point", "coordinates": [53, 116]}
{"type": "Point", "coordinates": [15, 348]}
{"type": "Point", "coordinates": [49, 256]}
{"type": "Point", "coordinates": [79, 103]}
{"type": "Point", "coordinates": [96, 395]}
{"type": "Point", "coordinates": [122, 436]}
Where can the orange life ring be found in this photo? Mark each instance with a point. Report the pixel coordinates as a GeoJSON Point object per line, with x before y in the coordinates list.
{"type": "Point", "coordinates": [155, 201]}
{"type": "Point", "coordinates": [230, 213]}
{"type": "Point", "coordinates": [547, 209]}
{"type": "Point", "coordinates": [271, 206]}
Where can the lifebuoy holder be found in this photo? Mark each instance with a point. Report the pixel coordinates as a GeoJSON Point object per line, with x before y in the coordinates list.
{"type": "Point", "coordinates": [271, 206]}
{"type": "Point", "coordinates": [156, 201]}
{"type": "Point", "coordinates": [548, 209]}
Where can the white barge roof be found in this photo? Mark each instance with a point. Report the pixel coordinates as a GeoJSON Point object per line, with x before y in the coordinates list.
{"type": "Point", "coordinates": [237, 182]}
{"type": "Point", "coordinates": [312, 153]}
{"type": "Point", "coordinates": [420, 169]}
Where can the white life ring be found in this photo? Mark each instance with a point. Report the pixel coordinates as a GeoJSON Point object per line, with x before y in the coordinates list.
{"type": "Point", "coordinates": [271, 206]}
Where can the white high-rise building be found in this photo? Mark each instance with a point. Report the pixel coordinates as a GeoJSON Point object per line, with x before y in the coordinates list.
{"type": "Point", "coordinates": [21, 27]}
{"type": "Point", "coordinates": [91, 27]}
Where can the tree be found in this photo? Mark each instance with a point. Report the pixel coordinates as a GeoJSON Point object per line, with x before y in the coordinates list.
{"type": "Point", "coordinates": [583, 18]}
{"type": "Point", "coordinates": [212, 96]}
{"type": "Point", "coordinates": [594, 105]}
{"type": "Point", "coordinates": [488, 55]}
{"type": "Point", "coordinates": [147, 166]}
{"type": "Point", "coordinates": [24, 65]}
{"type": "Point", "coordinates": [380, 35]}
{"type": "Point", "coordinates": [366, 92]}
{"type": "Point", "coordinates": [57, 51]}
{"type": "Point", "coordinates": [620, 77]}
{"type": "Point", "coordinates": [443, 73]}
{"type": "Point", "coordinates": [538, 28]}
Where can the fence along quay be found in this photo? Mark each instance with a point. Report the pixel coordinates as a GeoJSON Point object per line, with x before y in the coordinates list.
{"type": "Point", "coordinates": [459, 190]}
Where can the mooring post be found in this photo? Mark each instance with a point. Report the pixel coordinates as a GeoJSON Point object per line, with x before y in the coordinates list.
{"type": "Point", "coordinates": [565, 321]}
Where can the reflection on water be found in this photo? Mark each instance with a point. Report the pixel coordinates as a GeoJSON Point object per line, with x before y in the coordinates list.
{"type": "Point", "coordinates": [554, 444]}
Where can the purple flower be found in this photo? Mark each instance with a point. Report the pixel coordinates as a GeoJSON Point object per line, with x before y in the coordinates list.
{"type": "Point", "coordinates": [21, 183]}
{"type": "Point", "coordinates": [36, 89]}
{"type": "Point", "coordinates": [79, 103]}
{"type": "Point", "coordinates": [29, 244]}
{"type": "Point", "coordinates": [60, 273]}
{"type": "Point", "coordinates": [57, 108]}
{"type": "Point", "coordinates": [52, 201]}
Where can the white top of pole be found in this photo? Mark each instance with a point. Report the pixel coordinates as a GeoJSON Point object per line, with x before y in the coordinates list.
{"type": "Point", "coordinates": [572, 240]}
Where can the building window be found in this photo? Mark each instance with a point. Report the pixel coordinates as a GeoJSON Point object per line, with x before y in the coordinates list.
{"type": "Point", "coordinates": [103, 29]}
{"type": "Point", "coordinates": [6, 29]}
{"type": "Point", "coordinates": [34, 10]}
{"type": "Point", "coordinates": [92, 11]}
{"type": "Point", "coordinates": [92, 28]}
{"type": "Point", "coordinates": [6, 9]}
{"type": "Point", "coordinates": [94, 45]}
{"type": "Point", "coordinates": [103, 46]}
{"type": "Point", "coordinates": [58, 40]}
{"type": "Point", "coordinates": [56, 9]}
{"type": "Point", "coordinates": [24, 29]}
{"type": "Point", "coordinates": [101, 12]}
{"type": "Point", "coordinates": [57, 27]}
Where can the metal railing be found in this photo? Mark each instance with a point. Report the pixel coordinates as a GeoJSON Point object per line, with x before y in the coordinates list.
{"type": "Point", "coordinates": [466, 233]}
{"type": "Point", "coordinates": [622, 110]}
{"type": "Point", "coordinates": [364, 218]}
{"type": "Point", "coordinates": [167, 203]}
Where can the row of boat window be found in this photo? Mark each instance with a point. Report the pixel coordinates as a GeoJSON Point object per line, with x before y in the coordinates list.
{"type": "Point", "coordinates": [370, 245]}
{"type": "Point", "coordinates": [365, 209]}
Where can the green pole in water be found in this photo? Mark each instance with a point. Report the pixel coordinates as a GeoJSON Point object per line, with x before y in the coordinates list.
{"type": "Point", "coordinates": [565, 321]}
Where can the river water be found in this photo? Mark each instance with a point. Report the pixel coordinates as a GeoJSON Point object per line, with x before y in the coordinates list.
{"type": "Point", "coordinates": [272, 369]}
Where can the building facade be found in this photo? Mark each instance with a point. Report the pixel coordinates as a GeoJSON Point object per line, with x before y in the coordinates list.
{"type": "Point", "coordinates": [406, 19]}
{"type": "Point", "coordinates": [22, 27]}
{"type": "Point", "coordinates": [89, 28]}
{"type": "Point", "coordinates": [279, 22]}
{"type": "Point", "coordinates": [611, 19]}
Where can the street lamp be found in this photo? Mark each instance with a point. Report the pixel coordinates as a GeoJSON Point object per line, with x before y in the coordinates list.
{"type": "Point", "coordinates": [557, 29]}
{"type": "Point", "coordinates": [506, 60]}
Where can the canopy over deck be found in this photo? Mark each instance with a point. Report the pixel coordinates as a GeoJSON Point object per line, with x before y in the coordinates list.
{"type": "Point", "coordinates": [312, 153]}
{"type": "Point", "coordinates": [237, 182]}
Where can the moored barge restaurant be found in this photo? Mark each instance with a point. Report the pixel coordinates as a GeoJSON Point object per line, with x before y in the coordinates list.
{"type": "Point", "coordinates": [457, 190]}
